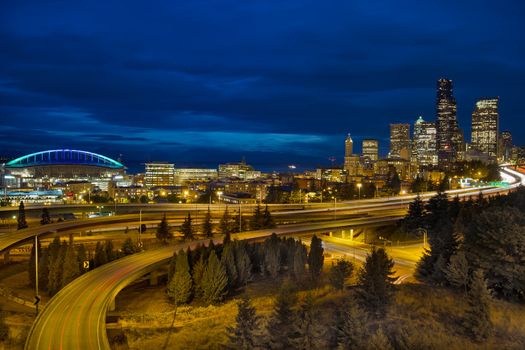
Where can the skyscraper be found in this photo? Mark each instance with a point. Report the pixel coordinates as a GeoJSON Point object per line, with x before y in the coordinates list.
{"type": "Point", "coordinates": [400, 141]}
{"type": "Point", "coordinates": [449, 136]}
{"type": "Point", "coordinates": [349, 146]}
{"type": "Point", "coordinates": [505, 146]}
{"type": "Point", "coordinates": [485, 127]}
{"type": "Point", "coordinates": [424, 147]}
{"type": "Point", "coordinates": [370, 149]}
{"type": "Point", "coordinates": [351, 164]}
{"type": "Point", "coordinates": [159, 174]}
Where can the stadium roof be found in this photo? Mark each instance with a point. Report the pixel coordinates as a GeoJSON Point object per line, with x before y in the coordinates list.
{"type": "Point", "coordinates": [64, 157]}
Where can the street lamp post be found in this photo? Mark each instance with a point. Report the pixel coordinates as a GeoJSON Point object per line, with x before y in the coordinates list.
{"type": "Point", "coordinates": [335, 208]}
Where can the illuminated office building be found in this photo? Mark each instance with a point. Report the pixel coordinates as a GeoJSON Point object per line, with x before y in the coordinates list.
{"type": "Point", "coordinates": [449, 139]}
{"type": "Point", "coordinates": [505, 146]}
{"type": "Point", "coordinates": [159, 174]}
{"type": "Point", "coordinates": [485, 127]}
{"type": "Point", "coordinates": [370, 149]}
{"type": "Point", "coordinates": [400, 141]}
{"type": "Point", "coordinates": [424, 150]}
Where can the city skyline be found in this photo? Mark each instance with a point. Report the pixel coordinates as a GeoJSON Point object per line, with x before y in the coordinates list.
{"type": "Point", "coordinates": [156, 95]}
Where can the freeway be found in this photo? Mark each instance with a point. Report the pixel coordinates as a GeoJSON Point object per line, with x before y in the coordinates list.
{"type": "Point", "coordinates": [75, 317]}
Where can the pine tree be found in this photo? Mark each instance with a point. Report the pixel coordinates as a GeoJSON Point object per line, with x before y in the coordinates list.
{"type": "Point", "coordinates": [225, 224]}
{"type": "Point", "coordinates": [110, 251]}
{"type": "Point", "coordinates": [308, 332]}
{"type": "Point", "coordinates": [457, 271]}
{"type": "Point", "coordinates": [31, 269]}
{"type": "Point", "coordinates": [349, 327]}
{"type": "Point", "coordinates": [267, 219]}
{"type": "Point", "coordinates": [128, 247]}
{"type": "Point", "coordinates": [280, 330]}
{"type": "Point", "coordinates": [101, 256]}
{"type": "Point", "coordinates": [197, 274]}
{"type": "Point", "coordinates": [214, 280]}
{"type": "Point", "coordinates": [180, 286]}
{"type": "Point", "coordinates": [81, 257]}
{"type": "Point", "coordinates": [379, 341]}
{"type": "Point", "coordinates": [272, 256]}
{"type": "Point", "coordinates": [243, 263]}
{"type": "Point", "coordinates": [46, 219]}
{"type": "Point", "coordinates": [186, 229]}
{"type": "Point", "coordinates": [243, 336]}
{"type": "Point", "coordinates": [56, 270]}
{"type": "Point", "coordinates": [43, 269]}
{"type": "Point", "coordinates": [256, 221]}
{"type": "Point", "coordinates": [228, 260]}
{"type": "Point", "coordinates": [316, 258]}
{"type": "Point", "coordinates": [207, 226]}
{"type": "Point", "coordinates": [477, 321]}
{"type": "Point", "coordinates": [375, 282]}
{"type": "Point", "coordinates": [339, 272]}
{"type": "Point", "coordinates": [299, 261]}
{"type": "Point", "coordinates": [22, 223]}
{"type": "Point", "coordinates": [414, 218]}
{"type": "Point", "coordinates": [163, 231]}
{"type": "Point", "coordinates": [70, 268]}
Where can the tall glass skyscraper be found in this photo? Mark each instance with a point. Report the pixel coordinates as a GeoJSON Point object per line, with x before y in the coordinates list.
{"type": "Point", "coordinates": [449, 135]}
{"type": "Point", "coordinates": [485, 127]}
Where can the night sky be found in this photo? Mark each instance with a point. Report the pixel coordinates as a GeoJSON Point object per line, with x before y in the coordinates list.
{"type": "Point", "coordinates": [280, 82]}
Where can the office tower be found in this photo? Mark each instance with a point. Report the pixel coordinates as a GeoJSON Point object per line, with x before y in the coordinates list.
{"type": "Point", "coordinates": [485, 127]}
{"type": "Point", "coordinates": [349, 146]}
{"type": "Point", "coordinates": [370, 149]}
{"type": "Point", "coordinates": [424, 149]}
{"type": "Point", "coordinates": [400, 141]}
{"type": "Point", "coordinates": [449, 135]}
{"type": "Point", "coordinates": [505, 146]}
{"type": "Point", "coordinates": [159, 174]}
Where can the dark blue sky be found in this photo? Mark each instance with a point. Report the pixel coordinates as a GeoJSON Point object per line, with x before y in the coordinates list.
{"type": "Point", "coordinates": [277, 81]}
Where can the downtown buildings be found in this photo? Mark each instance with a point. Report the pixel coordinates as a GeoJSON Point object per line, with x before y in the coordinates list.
{"type": "Point", "coordinates": [450, 145]}
{"type": "Point", "coordinates": [485, 128]}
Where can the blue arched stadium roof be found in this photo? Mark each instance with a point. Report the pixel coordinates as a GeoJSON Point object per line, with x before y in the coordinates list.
{"type": "Point", "coordinates": [64, 157]}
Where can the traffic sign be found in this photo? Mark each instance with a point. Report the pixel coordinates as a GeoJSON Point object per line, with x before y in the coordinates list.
{"type": "Point", "coordinates": [86, 264]}
{"type": "Point", "coordinates": [37, 300]}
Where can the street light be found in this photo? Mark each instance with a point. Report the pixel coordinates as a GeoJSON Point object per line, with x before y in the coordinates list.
{"type": "Point", "coordinates": [335, 208]}
{"type": "Point", "coordinates": [359, 185]}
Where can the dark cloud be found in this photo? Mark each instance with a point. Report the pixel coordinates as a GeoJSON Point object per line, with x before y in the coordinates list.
{"type": "Point", "coordinates": [114, 76]}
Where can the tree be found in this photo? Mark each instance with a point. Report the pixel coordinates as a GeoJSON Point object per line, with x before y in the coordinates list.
{"type": "Point", "coordinates": [101, 256]}
{"type": "Point", "coordinates": [256, 221]}
{"type": "Point", "coordinates": [477, 318]}
{"type": "Point", "coordinates": [43, 269]}
{"type": "Point", "coordinates": [299, 261]}
{"type": "Point", "coordinates": [243, 335]}
{"type": "Point", "coordinates": [197, 274]}
{"type": "Point", "coordinates": [279, 330]}
{"type": "Point", "coordinates": [375, 282]}
{"type": "Point", "coordinates": [226, 223]}
{"type": "Point", "coordinates": [56, 265]}
{"type": "Point", "coordinates": [339, 272]}
{"type": "Point", "coordinates": [180, 286]}
{"type": "Point", "coordinates": [207, 226]}
{"type": "Point", "coordinates": [110, 251]}
{"type": "Point", "coordinates": [349, 327]}
{"type": "Point", "coordinates": [414, 219]}
{"type": "Point", "coordinates": [163, 231]}
{"type": "Point", "coordinates": [22, 223]}
{"type": "Point", "coordinates": [228, 260]}
{"type": "Point", "coordinates": [186, 228]}
{"type": "Point", "coordinates": [243, 263]}
{"type": "Point", "coordinates": [32, 266]}
{"type": "Point", "coordinates": [394, 183]}
{"type": "Point", "coordinates": [70, 268]}
{"type": "Point", "coordinates": [272, 255]}
{"type": "Point", "coordinates": [379, 341]}
{"type": "Point", "coordinates": [81, 257]}
{"type": "Point", "coordinates": [316, 257]}
{"type": "Point", "coordinates": [308, 332]}
{"type": "Point", "coordinates": [457, 271]}
{"type": "Point", "coordinates": [267, 219]}
{"type": "Point", "coordinates": [46, 219]}
{"type": "Point", "coordinates": [128, 247]}
{"type": "Point", "coordinates": [214, 280]}
{"type": "Point", "coordinates": [143, 228]}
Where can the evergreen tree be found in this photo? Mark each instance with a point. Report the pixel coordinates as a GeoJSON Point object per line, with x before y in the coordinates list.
{"type": "Point", "coordinates": [267, 219]}
{"type": "Point", "coordinates": [81, 257]}
{"type": "Point", "coordinates": [226, 224]}
{"type": "Point", "coordinates": [394, 183]}
{"type": "Point", "coordinates": [414, 218]}
{"type": "Point", "coordinates": [128, 247]}
{"type": "Point", "coordinates": [163, 231]}
{"type": "Point", "coordinates": [379, 341]}
{"type": "Point", "coordinates": [207, 226]}
{"type": "Point", "coordinates": [375, 282]}
{"type": "Point", "coordinates": [228, 260]}
{"type": "Point", "coordinates": [31, 269]}
{"type": "Point", "coordinates": [56, 270]}
{"type": "Point", "coordinates": [316, 257]}
{"type": "Point", "coordinates": [180, 286]}
{"type": "Point", "coordinates": [339, 272]}
{"type": "Point", "coordinates": [43, 269]}
{"type": "Point", "coordinates": [477, 319]}
{"type": "Point", "coordinates": [299, 261]}
{"type": "Point", "coordinates": [46, 219]}
{"type": "Point", "coordinates": [243, 336]}
{"type": "Point", "coordinates": [457, 271]}
{"type": "Point", "coordinates": [110, 251]}
{"type": "Point", "coordinates": [349, 327]}
{"type": "Point", "coordinates": [243, 263]}
{"type": "Point", "coordinates": [70, 268]}
{"type": "Point", "coordinates": [186, 229]}
{"type": "Point", "coordinates": [214, 280]}
{"type": "Point", "coordinates": [101, 257]}
{"type": "Point", "coordinates": [197, 274]}
{"type": "Point", "coordinates": [22, 223]}
{"type": "Point", "coordinates": [308, 332]}
{"type": "Point", "coordinates": [272, 256]}
{"type": "Point", "coordinates": [280, 330]}
{"type": "Point", "coordinates": [256, 221]}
